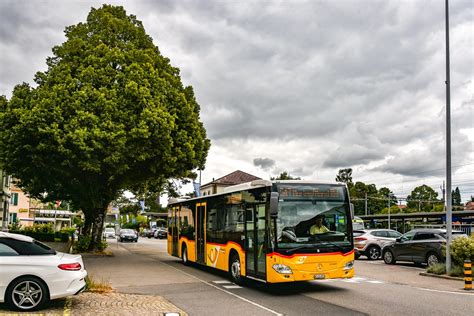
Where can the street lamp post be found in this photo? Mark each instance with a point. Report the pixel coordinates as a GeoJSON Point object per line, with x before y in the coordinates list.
{"type": "Point", "coordinates": [448, 147]}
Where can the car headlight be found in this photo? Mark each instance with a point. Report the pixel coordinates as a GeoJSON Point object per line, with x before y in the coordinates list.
{"type": "Point", "coordinates": [349, 265]}
{"type": "Point", "coordinates": [281, 268]}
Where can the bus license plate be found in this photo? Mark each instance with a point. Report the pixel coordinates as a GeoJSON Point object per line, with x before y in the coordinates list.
{"type": "Point", "coordinates": [319, 276]}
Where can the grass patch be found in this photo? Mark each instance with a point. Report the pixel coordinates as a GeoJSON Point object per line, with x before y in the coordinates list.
{"type": "Point", "coordinates": [97, 286]}
{"type": "Point", "coordinates": [438, 268]}
{"type": "Point", "coordinates": [457, 271]}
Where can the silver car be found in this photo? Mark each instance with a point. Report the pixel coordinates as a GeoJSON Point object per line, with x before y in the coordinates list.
{"type": "Point", "coordinates": [370, 242]}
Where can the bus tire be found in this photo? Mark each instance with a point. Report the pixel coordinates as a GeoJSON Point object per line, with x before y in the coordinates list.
{"type": "Point", "coordinates": [184, 255]}
{"type": "Point", "coordinates": [235, 269]}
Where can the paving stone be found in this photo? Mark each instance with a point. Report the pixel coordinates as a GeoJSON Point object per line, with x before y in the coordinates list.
{"type": "Point", "coordinates": [106, 304]}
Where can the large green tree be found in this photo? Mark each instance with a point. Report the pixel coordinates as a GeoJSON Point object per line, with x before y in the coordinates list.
{"type": "Point", "coordinates": [109, 112]}
{"type": "Point", "coordinates": [422, 198]}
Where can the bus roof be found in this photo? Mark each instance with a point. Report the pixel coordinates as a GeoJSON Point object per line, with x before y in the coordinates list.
{"type": "Point", "coordinates": [252, 185]}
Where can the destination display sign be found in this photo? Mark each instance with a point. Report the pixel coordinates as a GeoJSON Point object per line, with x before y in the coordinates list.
{"type": "Point", "coordinates": [322, 192]}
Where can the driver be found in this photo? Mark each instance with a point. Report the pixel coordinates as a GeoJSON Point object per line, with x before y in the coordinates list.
{"type": "Point", "coordinates": [318, 227]}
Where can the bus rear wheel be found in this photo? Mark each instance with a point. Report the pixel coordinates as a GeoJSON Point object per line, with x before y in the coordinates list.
{"type": "Point", "coordinates": [234, 269]}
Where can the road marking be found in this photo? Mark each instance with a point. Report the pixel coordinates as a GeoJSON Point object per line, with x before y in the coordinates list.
{"type": "Point", "coordinates": [225, 291]}
{"type": "Point", "coordinates": [221, 282]}
{"type": "Point", "coordinates": [375, 282]}
{"type": "Point", "coordinates": [232, 287]}
{"type": "Point", "coordinates": [442, 291]}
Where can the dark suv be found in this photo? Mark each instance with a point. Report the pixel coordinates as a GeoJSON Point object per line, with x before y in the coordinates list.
{"type": "Point", "coordinates": [418, 246]}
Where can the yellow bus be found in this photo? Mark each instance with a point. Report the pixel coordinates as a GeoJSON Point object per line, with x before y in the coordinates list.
{"type": "Point", "coordinates": [270, 231]}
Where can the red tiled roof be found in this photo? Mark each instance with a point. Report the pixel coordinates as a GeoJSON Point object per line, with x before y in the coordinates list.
{"type": "Point", "coordinates": [235, 177]}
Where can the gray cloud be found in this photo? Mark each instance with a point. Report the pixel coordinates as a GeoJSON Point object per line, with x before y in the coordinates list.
{"type": "Point", "coordinates": [264, 163]}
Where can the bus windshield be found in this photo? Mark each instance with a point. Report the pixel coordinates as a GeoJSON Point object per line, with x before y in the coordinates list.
{"type": "Point", "coordinates": [309, 217]}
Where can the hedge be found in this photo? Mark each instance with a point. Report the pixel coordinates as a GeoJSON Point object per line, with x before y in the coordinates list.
{"type": "Point", "coordinates": [36, 235]}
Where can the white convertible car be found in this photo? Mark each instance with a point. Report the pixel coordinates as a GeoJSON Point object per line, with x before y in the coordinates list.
{"type": "Point", "coordinates": [32, 273]}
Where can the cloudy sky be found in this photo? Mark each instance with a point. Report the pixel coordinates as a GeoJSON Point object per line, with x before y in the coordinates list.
{"type": "Point", "coordinates": [307, 87]}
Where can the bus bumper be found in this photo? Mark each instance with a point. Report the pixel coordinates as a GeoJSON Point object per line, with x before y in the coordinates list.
{"type": "Point", "coordinates": [309, 267]}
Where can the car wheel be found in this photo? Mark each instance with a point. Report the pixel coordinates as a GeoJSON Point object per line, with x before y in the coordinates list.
{"type": "Point", "coordinates": [27, 294]}
{"type": "Point", "coordinates": [234, 270]}
{"type": "Point", "coordinates": [373, 253]}
{"type": "Point", "coordinates": [432, 258]}
{"type": "Point", "coordinates": [184, 256]}
{"type": "Point", "coordinates": [357, 255]}
{"type": "Point", "coordinates": [388, 257]}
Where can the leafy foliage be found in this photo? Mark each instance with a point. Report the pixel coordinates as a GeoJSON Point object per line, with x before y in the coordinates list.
{"type": "Point", "coordinates": [345, 176]}
{"type": "Point", "coordinates": [285, 176]}
{"type": "Point", "coordinates": [110, 112]}
{"type": "Point", "coordinates": [422, 198]}
{"type": "Point", "coordinates": [82, 244]}
{"type": "Point", "coordinates": [462, 248]}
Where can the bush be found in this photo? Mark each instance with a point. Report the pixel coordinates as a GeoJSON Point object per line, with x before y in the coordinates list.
{"type": "Point", "coordinates": [82, 244]}
{"type": "Point", "coordinates": [462, 248]}
{"type": "Point", "coordinates": [456, 271]}
{"type": "Point", "coordinates": [102, 245]}
{"type": "Point", "coordinates": [438, 268]}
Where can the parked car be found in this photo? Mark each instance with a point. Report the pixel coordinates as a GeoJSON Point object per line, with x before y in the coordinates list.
{"type": "Point", "coordinates": [109, 232]}
{"type": "Point", "coordinates": [370, 242]}
{"type": "Point", "coordinates": [32, 273]}
{"type": "Point", "coordinates": [150, 233]}
{"type": "Point", "coordinates": [127, 234]}
{"type": "Point", "coordinates": [161, 233]}
{"type": "Point", "coordinates": [418, 246]}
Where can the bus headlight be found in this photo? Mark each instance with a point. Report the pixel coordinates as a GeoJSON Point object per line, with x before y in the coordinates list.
{"type": "Point", "coordinates": [281, 268]}
{"type": "Point", "coordinates": [349, 265]}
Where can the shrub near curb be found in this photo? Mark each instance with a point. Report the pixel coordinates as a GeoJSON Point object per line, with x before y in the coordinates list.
{"type": "Point", "coordinates": [462, 248]}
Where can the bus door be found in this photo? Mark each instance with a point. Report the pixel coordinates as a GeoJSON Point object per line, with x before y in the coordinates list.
{"type": "Point", "coordinates": [201, 233]}
{"type": "Point", "coordinates": [175, 231]}
{"type": "Point", "coordinates": [255, 222]}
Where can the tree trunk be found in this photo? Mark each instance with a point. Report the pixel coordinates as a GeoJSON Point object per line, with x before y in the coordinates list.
{"type": "Point", "coordinates": [97, 228]}
{"type": "Point", "coordinates": [86, 230]}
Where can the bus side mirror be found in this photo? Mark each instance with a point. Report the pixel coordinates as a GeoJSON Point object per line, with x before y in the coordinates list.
{"type": "Point", "coordinates": [351, 206]}
{"type": "Point", "coordinates": [274, 204]}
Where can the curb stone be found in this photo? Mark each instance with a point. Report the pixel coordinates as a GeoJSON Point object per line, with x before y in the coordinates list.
{"type": "Point", "coordinates": [441, 276]}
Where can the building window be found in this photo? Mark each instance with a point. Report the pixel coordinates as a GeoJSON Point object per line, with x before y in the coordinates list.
{"type": "Point", "coordinates": [14, 200]}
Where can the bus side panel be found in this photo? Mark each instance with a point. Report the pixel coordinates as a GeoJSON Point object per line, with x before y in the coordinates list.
{"type": "Point", "coordinates": [310, 267]}
{"type": "Point", "coordinates": [190, 246]}
{"type": "Point", "coordinates": [218, 255]}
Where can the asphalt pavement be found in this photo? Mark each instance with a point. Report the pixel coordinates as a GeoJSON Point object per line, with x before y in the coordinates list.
{"type": "Point", "coordinates": [378, 289]}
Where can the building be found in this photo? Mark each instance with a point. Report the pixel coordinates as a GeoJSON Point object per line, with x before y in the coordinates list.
{"type": "Point", "coordinates": [5, 197]}
{"type": "Point", "coordinates": [469, 206]}
{"type": "Point", "coordinates": [27, 211]}
{"type": "Point", "coordinates": [218, 185]}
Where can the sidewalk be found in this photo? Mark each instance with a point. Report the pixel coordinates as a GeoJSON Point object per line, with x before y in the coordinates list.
{"type": "Point", "coordinates": [105, 304]}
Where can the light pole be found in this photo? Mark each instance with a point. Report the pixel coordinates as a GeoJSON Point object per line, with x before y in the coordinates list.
{"type": "Point", "coordinates": [448, 147]}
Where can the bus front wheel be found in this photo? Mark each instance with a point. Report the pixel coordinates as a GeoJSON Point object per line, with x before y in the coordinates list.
{"type": "Point", "coordinates": [234, 269]}
{"type": "Point", "coordinates": [184, 256]}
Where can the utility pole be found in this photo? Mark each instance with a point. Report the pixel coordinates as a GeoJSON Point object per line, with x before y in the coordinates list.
{"type": "Point", "coordinates": [448, 147]}
{"type": "Point", "coordinates": [388, 211]}
{"type": "Point", "coordinates": [365, 203]}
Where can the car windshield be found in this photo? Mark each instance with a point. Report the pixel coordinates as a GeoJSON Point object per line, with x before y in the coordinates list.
{"type": "Point", "coordinates": [110, 230]}
{"type": "Point", "coordinates": [127, 231]}
{"type": "Point", "coordinates": [307, 222]}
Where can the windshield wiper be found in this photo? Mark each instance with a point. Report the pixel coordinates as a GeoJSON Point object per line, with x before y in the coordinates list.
{"type": "Point", "coordinates": [325, 242]}
{"type": "Point", "coordinates": [300, 247]}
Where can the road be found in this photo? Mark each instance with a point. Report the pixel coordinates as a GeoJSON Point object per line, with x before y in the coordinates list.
{"type": "Point", "coordinates": [378, 289]}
